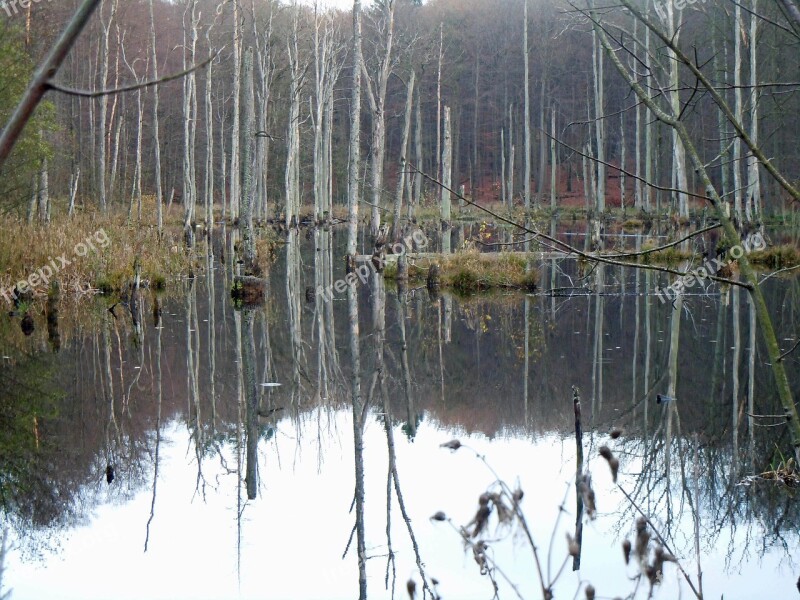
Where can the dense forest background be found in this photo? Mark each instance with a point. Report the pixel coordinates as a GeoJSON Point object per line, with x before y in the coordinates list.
{"type": "Point", "coordinates": [466, 56]}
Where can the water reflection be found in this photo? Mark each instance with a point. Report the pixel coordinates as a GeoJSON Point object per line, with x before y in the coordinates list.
{"type": "Point", "coordinates": [238, 485]}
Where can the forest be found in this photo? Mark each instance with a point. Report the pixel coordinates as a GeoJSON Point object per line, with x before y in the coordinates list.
{"type": "Point", "coordinates": [532, 104]}
{"type": "Point", "coordinates": [386, 298]}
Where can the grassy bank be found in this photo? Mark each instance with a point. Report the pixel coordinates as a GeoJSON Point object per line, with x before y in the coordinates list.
{"type": "Point", "coordinates": [470, 272]}
{"type": "Point", "coordinates": [88, 253]}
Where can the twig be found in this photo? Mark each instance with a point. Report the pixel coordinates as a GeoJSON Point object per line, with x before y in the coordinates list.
{"type": "Point", "coordinates": [129, 88]}
{"type": "Point", "coordinates": [789, 351]}
{"type": "Point", "coordinates": [662, 540]}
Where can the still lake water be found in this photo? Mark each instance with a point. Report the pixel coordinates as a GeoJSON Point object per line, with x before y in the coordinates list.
{"type": "Point", "coordinates": [215, 496]}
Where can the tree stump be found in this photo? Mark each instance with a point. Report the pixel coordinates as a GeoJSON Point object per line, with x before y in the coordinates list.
{"type": "Point", "coordinates": [248, 291]}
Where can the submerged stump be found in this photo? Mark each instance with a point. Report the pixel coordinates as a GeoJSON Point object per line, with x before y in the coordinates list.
{"type": "Point", "coordinates": [249, 291]}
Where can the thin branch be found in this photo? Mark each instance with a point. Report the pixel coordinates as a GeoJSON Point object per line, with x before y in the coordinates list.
{"type": "Point", "coordinates": [627, 173]}
{"type": "Point", "coordinates": [129, 88]}
{"type": "Point", "coordinates": [789, 351]}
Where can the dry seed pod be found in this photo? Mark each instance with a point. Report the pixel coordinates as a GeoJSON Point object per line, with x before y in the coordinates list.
{"type": "Point", "coordinates": [642, 538]}
{"type": "Point", "coordinates": [615, 433]}
{"type": "Point", "coordinates": [613, 464]}
{"type": "Point", "coordinates": [573, 546]}
{"type": "Point", "coordinates": [439, 516]}
{"type": "Point", "coordinates": [626, 550]}
{"type": "Point", "coordinates": [411, 586]}
{"type": "Point", "coordinates": [605, 452]}
{"type": "Point", "coordinates": [452, 445]}
{"type": "Point", "coordinates": [590, 592]}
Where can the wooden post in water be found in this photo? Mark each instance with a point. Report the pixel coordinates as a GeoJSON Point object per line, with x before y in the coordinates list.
{"type": "Point", "coordinates": [576, 403]}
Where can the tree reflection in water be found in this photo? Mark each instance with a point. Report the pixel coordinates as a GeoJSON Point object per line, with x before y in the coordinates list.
{"type": "Point", "coordinates": [429, 369]}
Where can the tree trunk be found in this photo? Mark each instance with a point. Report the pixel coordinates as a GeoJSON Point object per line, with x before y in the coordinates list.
{"type": "Point", "coordinates": [526, 183]}
{"type": "Point", "coordinates": [439, 104]}
{"type": "Point", "coordinates": [74, 180]}
{"type": "Point", "coordinates": [189, 129]}
{"type": "Point", "coordinates": [447, 169]}
{"type": "Point", "coordinates": [235, 118]}
{"type": "Point", "coordinates": [738, 26]}
{"type": "Point", "coordinates": [292, 173]}
{"type": "Point", "coordinates": [353, 182]}
{"type": "Point", "coordinates": [156, 140]}
{"type": "Point", "coordinates": [401, 176]}
{"type": "Point", "coordinates": [753, 204]}
{"type": "Point", "coordinates": [553, 162]}
{"type": "Point", "coordinates": [246, 152]}
{"type": "Point", "coordinates": [418, 150]}
{"type": "Point", "coordinates": [105, 27]}
{"type": "Point", "coordinates": [504, 190]}
{"type": "Point", "coordinates": [209, 183]}
{"type": "Point", "coordinates": [377, 100]}
{"type": "Point", "coordinates": [599, 125]}
{"type": "Point", "coordinates": [44, 194]}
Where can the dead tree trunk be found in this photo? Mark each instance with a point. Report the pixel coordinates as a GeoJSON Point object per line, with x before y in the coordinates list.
{"type": "Point", "coordinates": [353, 169]}
{"type": "Point", "coordinates": [246, 144]}
{"type": "Point", "coordinates": [401, 176]}
{"type": "Point", "coordinates": [447, 169]}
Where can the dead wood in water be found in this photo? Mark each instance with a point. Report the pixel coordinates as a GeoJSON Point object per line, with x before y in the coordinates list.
{"type": "Point", "coordinates": [576, 554]}
{"type": "Point", "coordinates": [248, 291]}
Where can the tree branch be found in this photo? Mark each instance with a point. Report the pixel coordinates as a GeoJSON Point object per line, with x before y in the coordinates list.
{"type": "Point", "coordinates": [39, 86]}
{"type": "Point", "coordinates": [129, 88]}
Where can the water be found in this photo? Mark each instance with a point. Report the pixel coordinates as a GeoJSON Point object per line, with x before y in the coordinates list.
{"type": "Point", "coordinates": [166, 403]}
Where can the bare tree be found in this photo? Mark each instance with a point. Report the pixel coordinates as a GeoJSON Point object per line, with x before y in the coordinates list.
{"type": "Point", "coordinates": [401, 177]}
{"type": "Point", "coordinates": [156, 135]}
{"type": "Point", "coordinates": [355, 150]}
{"type": "Point", "coordinates": [247, 142]}
{"type": "Point", "coordinates": [447, 169]}
{"type": "Point", "coordinates": [236, 109]}
{"type": "Point", "coordinates": [328, 64]}
{"type": "Point", "coordinates": [526, 183]}
{"type": "Point", "coordinates": [105, 25]}
{"type": "Point", "coordinates": [190, 124]}
{"type": "Point", "coordinates": [297, 72]}
{"type": "Point", "coordinates": [376, 95]}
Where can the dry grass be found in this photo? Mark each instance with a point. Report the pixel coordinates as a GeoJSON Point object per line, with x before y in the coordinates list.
{"type": "Point", "coordinates": [109, 245]}
{"type": "Point", "coordinates": [777, 257]}
{"type": "Point", "coordinates": [472, 271]}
